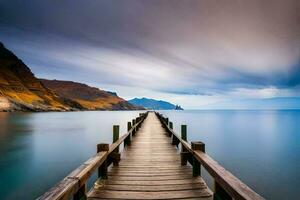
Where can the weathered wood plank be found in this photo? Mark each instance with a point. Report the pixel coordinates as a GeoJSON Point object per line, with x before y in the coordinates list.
{"type": "Point", "coordinates": [158, 182]}
{"type": "Point", "coordinates": [63, 190]}
{"type": "Point", "coordinates": [201, 194]}
{"type": "Point", "coordinates": [147, 173]}
{"type": "Point", "coordinates": [154, 188]}
{"type": "Point", "coordinates": [151, 178]}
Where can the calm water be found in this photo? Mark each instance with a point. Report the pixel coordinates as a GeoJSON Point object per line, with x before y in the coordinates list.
{"type": "Point", "coordinates": [262, 148]}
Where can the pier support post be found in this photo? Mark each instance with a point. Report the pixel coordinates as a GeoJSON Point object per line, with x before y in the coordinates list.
{"type": "Point", "coordinates": [80, 194]}
{"type": "Point", "coordinates": [137, 120]}
{"type": "Point", "coordinates": [175, 140]}
{"type": "Point", "coordinates": [184, 152]}
{"type": "Point", "coordinates": [220, 193]}
{"type": "Point", "coordinates": [102, 170]}
{"type": "Point", "coordinates": [127, 141]}
{"type": "Point", "coordinates": [116, 134]}
{"type": "Point", "coordinates": [184, 132]}
{"type": "Point", "coordinates": [167, 120]}
{"type": "Point", "coordinates": [115, 156]}
{"type": "Point", "coordinates": [171, 125]}
{"type": "Point", "coordinates": [134, 130]}
{"type": "Point", "coordinates": [196, 164]}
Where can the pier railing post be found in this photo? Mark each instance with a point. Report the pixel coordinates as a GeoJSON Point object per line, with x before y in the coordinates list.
{"type": "Point", "coordinates": [171, 125]}
{"type": "Point", "coordinates": [175, 140]}
{"type": "Point", "coordinates": [220, 193]}
{"type": "Point", "coordinates": [134, 130]}
{"type": "Point", "coordinates": [184, 152]}
{"type": "Point", "coordinates": [81, 193]}
{"type": "Point", "coordinates": [116, 134]}
{"type": "Point", "coordinates": [196, 164]}
{"type": "Point", "coordinates": [102, 170]}
{"type": "Point", "coordinates": [115, 156]}
{"type": "Point", "coordinates": [127, 141]}
{"type": "Point", "coordinates": [138, 119]}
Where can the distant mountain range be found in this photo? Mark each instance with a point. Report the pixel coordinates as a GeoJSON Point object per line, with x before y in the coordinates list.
{"type": "Point", "coordinates": [153, 104]}
{"type": "Point", "coordinates": [20, 90]}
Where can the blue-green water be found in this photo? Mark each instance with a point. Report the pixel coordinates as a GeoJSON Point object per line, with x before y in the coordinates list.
{"type": "Point", "coordinates": [262, 148]}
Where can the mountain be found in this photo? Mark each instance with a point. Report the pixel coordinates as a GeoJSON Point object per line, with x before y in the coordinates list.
{"type": "Point", "coordinates": [153, 104]}
{"type": "Point", "coordinates": [90, 98]}
{"type": "Point", "coordinates": [21, 90]}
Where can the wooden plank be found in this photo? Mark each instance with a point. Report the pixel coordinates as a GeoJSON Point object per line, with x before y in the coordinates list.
{"type": "Point", "coordinates": [77, 178]}
{"type": "Point", "coordinates": [63, 190]}
{"type": "Point", "coordinates": [85, 171]}
{"type": "Point", "coordinates": [153, 188]}
{"type": "Point", "coordinates": [160, 168]}
{"type": "Point", "coordinates": [201, 194]}
{"type": "Point", "coordinates": [147, 173]}
{"type": "Point", "coordinates": [157, 182]}
{"type": "Point", "coordinates": [150, 178]}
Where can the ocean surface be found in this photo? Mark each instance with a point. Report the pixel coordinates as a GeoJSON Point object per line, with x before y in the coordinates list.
{"type": "Point", "coordinates": [262, 148]}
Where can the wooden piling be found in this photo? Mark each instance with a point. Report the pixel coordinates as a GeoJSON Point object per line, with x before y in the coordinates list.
{"type": "Point", "coordinates": [184, 132]}
{"type": "Point", "coordinates": [115, 155]}
{"type": "Point", "coordinates": [80, 194]}
{"type": "Point", "coordinates": [128, 126]}
{"type": "Point", "coordinates": [127, 141]}
{"type": "Point", "coordinates": [171, 125]}
{"type": "Point", "coordinates": [102, 170]}
{"type": "Point", "coordinates": [116, 134]}
{"type": "Point", "coordinates": [220, 193]}
{"type": "Point", "coordinates": [134, 130]}
{"type": "Point", "coordinates": [196, 164]}
{"type": "Point", "coordinates": [184, 153]}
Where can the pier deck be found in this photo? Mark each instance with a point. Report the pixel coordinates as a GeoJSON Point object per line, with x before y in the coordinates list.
{"type": "Point", "coordinates": [156, 163]}
{"type": "Point", "coordinates": [150, 168]}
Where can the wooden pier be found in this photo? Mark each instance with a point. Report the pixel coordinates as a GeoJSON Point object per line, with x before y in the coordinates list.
{"type": "Point", "coordinates": [152, 166]}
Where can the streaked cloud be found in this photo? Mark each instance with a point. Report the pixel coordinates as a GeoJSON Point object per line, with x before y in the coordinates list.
{"type": "Point", "coordinates": [190, 52]}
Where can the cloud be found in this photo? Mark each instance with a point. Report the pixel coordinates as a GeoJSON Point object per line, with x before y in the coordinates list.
{"type": "Point", "coordinates": [200, 48]}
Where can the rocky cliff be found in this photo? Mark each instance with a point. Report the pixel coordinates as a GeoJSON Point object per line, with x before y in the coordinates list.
{"type": "Point", "coordinates": [21, 90]}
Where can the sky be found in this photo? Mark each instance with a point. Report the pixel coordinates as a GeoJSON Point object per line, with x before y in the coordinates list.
{"type": "Point", "coordinates": [190, 52]}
